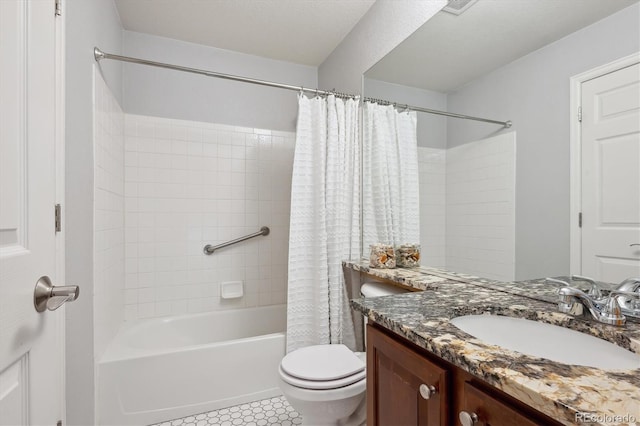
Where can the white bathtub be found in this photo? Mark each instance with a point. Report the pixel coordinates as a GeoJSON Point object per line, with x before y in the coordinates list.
{"type": "Point", "coordinates": [165, 368]}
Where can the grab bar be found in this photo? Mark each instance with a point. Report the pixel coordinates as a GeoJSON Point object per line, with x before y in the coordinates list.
{"type": "Point", "coordinates": [209, 249]}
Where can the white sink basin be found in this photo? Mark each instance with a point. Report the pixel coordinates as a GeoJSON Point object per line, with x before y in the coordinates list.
{"type": "Point", "coordinates": [547, 341]}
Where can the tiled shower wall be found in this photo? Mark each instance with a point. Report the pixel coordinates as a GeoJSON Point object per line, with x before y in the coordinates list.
{"type": "Point", "coordinates": [108, 222]}
{"type": "Point", "coordinates": [467, 207]}
{"type": "Point", "coordinates": [432, 173]}
{"type": "Point", "coordinates": [480, 207]}
{"type": "Point", "coordinates": [188, 184]}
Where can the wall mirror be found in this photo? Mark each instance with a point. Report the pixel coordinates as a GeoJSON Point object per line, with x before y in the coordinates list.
{"type": "Point", "coordinates": [497, 202]}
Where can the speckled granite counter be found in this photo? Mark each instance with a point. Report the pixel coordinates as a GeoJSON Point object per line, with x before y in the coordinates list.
{"type": "Point", "coordinates": [558, 390]}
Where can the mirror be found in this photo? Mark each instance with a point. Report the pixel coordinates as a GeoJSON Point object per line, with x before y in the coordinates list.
{"type": "Point", "coordinates": [497, 202]}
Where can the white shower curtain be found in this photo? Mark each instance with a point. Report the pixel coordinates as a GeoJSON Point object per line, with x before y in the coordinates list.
{"type": "Point", "coordinates": [325, 221]}
{"type": "Point", "coordinates": [391, 213]}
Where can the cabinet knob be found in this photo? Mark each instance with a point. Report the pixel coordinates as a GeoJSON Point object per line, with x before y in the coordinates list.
{"type": "Point", "coordinates": [468, 419]}
{"type": "Point", "coordinates": [427, 391]}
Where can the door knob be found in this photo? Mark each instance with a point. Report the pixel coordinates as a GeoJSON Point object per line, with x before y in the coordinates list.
{"type": "Point", "coordinates": [47, 296]}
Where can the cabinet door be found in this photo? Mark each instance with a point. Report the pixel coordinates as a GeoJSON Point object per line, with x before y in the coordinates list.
{"type": "Point", "coordinates": [395, 375]}
{"type": "Point", "coordinates": [492, 411]}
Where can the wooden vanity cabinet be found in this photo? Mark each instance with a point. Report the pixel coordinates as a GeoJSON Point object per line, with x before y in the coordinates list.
{"type": "Point", "coordinates": [407, 386]}
{"type": "Point", "coordinates": [403, 388]}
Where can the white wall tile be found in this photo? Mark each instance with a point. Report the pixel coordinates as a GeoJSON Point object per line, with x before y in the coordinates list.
{"type": "Point", "coordinates": [431, 166]}
{"type": "Point", "coordinates": [188, 184]}
{"type": "Point", "coordinates": [480, 208]}
{"type": "Point", "coordinates": [109, 204]}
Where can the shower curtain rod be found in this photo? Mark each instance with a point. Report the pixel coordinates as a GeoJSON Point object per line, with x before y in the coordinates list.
{"type": "Point", "coordinates": [100, 55]}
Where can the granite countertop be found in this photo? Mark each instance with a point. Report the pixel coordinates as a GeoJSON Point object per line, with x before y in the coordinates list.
{"type": "Point", "coordinates": [558, 390]}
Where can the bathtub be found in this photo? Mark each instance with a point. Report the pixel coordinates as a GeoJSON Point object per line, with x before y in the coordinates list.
{"type": "Point", "coordinates": [165, 368]}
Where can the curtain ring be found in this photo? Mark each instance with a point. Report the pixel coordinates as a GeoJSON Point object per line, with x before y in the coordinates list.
{"type": "Point", "coordinates": [317, 92]}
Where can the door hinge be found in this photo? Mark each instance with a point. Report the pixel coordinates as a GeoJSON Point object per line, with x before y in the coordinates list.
{"type": "Point", "coordinates": [580, 114]}
{"type": "Point", "coordinates": [58, 218]}
{"type": "Point", "coordinates": [58, 7]}
{"type": "Point", "coordinates": [580, 220]}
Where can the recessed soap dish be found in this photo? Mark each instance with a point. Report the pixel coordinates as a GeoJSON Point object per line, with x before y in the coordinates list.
{"type": "Point", "coordinates": [231, 289]}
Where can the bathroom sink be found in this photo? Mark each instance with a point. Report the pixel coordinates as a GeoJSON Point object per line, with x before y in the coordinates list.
{"type": "Point", "coordinates": [547, 341]}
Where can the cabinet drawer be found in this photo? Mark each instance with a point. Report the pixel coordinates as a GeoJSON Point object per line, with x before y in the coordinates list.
{"type": "Point", "coordinates": [490, 410]}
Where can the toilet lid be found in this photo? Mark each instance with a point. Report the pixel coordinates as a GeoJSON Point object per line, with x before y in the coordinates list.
{"type": "Point", "coordinates": [322, 384]}
{"type": "Point", "coordinates": [322, 363]}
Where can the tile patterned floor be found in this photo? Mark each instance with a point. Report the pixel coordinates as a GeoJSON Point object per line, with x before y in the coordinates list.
{"type": "Point", "coordinates": [267, 412]}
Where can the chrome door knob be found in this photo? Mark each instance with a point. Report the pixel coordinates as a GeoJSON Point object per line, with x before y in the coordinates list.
{"type": "Point", "coordinates": [468, 419]}
{"type": "Point", "coordinates": [427, 391]}
{"type": "Point", "coordinates": [47, 296]}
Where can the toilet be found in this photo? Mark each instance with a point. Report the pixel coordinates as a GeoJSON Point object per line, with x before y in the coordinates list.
{"type": "Point", "coordinates": [325, 384]}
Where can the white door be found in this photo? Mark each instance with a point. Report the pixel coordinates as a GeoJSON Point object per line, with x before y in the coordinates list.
{"type": "Point", "coordinates": [611, 175]}
{"type": "Point", "coordinates": [31, 343]}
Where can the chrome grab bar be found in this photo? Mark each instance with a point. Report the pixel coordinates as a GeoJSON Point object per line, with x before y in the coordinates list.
{"type": "Point", "coordinates": [209, 249]}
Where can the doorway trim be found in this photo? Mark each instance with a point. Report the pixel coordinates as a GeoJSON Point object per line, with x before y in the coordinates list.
{"type": "Point", "coordinates": [60, 171]}
{"type": "Point", "coordinates": [575, 162]}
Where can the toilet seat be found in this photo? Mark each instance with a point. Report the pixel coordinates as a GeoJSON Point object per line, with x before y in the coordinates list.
{"type": "Point", "coordinates": [322, 367]}
{"type": "Point", "coordinates": [322, 384]}
{"type": "Point", "coordinates": [322, 362]}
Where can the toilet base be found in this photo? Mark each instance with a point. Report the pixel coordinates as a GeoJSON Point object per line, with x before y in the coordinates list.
{"type": "Point", "coordinates": [324, 415]}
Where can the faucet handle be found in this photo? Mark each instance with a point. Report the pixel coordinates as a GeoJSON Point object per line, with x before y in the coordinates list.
{"type": "Point", "coordinates": [625, 300]}
{"type": "Point", "coordinates": [561, 283]}
{"type": "Point", "coordinates": [630, 284]}
{"type": "Point", "coordinates": [616, 293]}
{"type": "Point", "coordinates": [567, 302]}
{"type": "Point", "coordinates": [612, 311]}
{"type": "Point", "coordinates": [594, 291]}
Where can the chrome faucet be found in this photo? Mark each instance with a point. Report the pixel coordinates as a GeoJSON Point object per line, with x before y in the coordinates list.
{"type": "Point", "coordinates": [629, 306]}
{"type": "Point", "coordinates": [606, 310]}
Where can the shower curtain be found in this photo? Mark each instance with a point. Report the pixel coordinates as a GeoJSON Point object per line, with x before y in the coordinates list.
{"type": "Point", "coordinates": [325, 221]}
{"type": "Point", "coordinates": [391, 212]}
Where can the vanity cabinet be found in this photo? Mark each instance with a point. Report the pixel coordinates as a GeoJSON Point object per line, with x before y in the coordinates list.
{"type": "Point", "coordinates": [408, 386]}
{"type": "Point", "coordinates": [403, 387]}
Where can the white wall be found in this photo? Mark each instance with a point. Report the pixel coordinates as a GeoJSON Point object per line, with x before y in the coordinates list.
{"type": "Point", "coordinates": [189, 184]}
{"type": "Point", "coordinates": [385, 25]}
{"type": "Point", "coordinates": [480, 208]}
{"type": "Point", "coordinates": [533, 91]}
{"type": "Point", "coordinates": [431, 129]}
{"type": "Point", "coordinates": [108, 257]}
{"type": "Point", "coordinates": [88, 23]}
{"type": "Point", "coordinates": [174, 94]}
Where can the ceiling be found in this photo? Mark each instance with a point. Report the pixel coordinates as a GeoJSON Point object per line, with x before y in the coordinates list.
{"type": "Point", "coordinates": [449, 51]}
{"type": "Point", "coordinates": [298, 31]}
